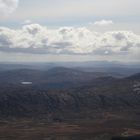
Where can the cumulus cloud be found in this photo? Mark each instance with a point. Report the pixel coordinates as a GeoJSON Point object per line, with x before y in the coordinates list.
{"type": "Point", "coordinates": [103, 23]}
{"type": "Point", "coordinates": [8, 6]}
{"type": "Point", "coordinates": [37, 39]}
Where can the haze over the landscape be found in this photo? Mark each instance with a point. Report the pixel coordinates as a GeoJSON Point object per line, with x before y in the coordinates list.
{"type": "Point", "coordinates": [62, 30]}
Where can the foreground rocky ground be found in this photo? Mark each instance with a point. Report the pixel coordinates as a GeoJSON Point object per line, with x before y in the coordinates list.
{"type": "Point", "coordinates": [106, 127]}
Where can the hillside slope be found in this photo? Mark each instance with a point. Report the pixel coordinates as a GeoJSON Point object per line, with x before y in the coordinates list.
{"type": "Point", "coordinates": [102, 94]}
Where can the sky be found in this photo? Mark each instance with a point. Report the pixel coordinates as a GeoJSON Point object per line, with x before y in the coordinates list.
{"type": "Point", "coordinates": [63, 30]}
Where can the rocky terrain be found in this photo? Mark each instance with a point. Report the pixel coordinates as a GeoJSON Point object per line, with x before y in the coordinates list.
{"type": "Point", "coordinates": [64, 103]}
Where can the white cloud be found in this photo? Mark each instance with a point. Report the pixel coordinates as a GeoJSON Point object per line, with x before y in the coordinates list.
{"type": "Point", "coordinates": [103, 23]}
{"type": "Point", "coordinates": [8, 6]}
{"type": "Point", "coordinates": [26, 22]}
{"type": "Point", "coordinates": [37, 39]}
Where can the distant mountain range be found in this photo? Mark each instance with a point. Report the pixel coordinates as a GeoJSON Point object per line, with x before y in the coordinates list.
{"type": "Point", "coordinates": [65, 93]}
{"type": "Point", "coordinates": [124, 69]}
{"type": "Point", "coordinates": [55, 77]}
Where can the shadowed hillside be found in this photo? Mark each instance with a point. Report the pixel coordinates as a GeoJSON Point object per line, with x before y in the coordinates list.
{"type": "Point", "coordinates": [67, 103]}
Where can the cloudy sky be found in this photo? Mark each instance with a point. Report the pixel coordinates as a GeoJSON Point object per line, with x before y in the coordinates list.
{"type": "Point", "coordinates": [63, 30]}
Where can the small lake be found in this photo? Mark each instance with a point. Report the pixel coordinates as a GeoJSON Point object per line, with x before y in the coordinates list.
{"type": "Point", "coordinates": [26, 83]}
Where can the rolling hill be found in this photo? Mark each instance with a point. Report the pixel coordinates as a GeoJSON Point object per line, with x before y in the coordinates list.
{"type": "Point", "coordinates": [92, 92]}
